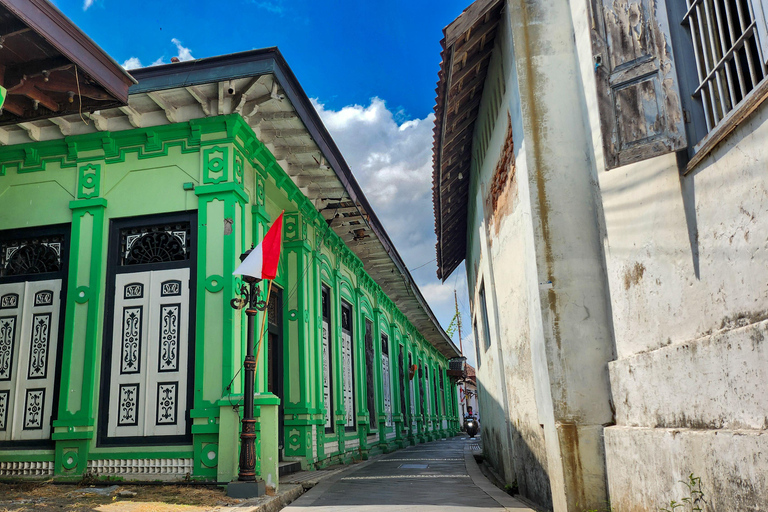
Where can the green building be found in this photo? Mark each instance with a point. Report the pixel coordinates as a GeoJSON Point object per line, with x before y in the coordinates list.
{"type": "Point", "coordinates": [120, 354]}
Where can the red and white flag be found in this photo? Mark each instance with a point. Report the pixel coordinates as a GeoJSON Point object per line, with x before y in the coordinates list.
{"type": "Point", "coordinates": [263, 260]}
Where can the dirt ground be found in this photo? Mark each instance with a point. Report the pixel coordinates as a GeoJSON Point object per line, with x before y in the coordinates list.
{"type": "Point", "coordinates": [45, 497]}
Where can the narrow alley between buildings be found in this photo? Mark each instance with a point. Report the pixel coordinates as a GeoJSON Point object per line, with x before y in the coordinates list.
{"type": "Point", "coordinates": [437, 476]}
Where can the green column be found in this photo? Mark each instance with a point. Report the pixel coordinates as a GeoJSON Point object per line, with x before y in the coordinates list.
{"type": "Point", "coordinates": [74, 427]}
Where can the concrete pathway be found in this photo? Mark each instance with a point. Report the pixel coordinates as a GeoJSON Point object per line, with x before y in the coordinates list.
{"type": "Point", "coordinates": [430, 477]}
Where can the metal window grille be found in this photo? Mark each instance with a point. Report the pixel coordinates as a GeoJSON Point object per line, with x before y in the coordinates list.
{"type": "Point", "coordinates": [729, 59]}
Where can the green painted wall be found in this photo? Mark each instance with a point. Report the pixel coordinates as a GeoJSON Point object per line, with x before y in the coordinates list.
{"type": "Point", "coordinates": [217, 167]}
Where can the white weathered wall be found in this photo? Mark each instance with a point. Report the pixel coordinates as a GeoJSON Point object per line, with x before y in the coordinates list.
{"type": "Point", "coordinates": [686, 263]}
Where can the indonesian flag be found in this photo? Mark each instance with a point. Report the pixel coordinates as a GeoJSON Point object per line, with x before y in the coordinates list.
{"type": "Point", "coordinates": [261, 263]}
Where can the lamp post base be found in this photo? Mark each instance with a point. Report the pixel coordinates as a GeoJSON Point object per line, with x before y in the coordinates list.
{"type": "Point", "coordinates": [243, 490]}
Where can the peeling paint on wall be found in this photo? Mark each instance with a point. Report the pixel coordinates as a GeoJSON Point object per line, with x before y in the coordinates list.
{"type": "Point", "coordinates": [503, 187]}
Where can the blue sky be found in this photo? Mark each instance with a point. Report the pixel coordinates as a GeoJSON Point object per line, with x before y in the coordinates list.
{"type": "Point", "coordinates": [370, 68]}
{"type": "Point", "coordinates": [343, 52]}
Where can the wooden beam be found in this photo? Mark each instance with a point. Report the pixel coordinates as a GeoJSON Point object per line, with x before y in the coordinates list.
{"type": "Point", "coordinates": [330, 213]}
{"type": "Point", "coordinates": [302, 180]}
{"type": "Point", "coordinates": [290, 132]}
{"type": "Point", "coordinates": [100, 122]}
{"type": "Point", "coordinates": [251, 107]}
{"type": "Point", "coordinates": [32, 130]}
{"type": "Point", "coordinates": [273, 116]}
{"type": "Point", "coordinates": [170, 109]}
{"type": "Point", "coordinates": [14, 106]}
{"type": "Point", "coordinates": [66, 83]}
{"type": "Point", "coordinates": [134, 117]}
{"type": "Point", "coordinates": [65, 127]}
{"type": "Point", "coordinates": [247, 92]}
{"type": "Point", "coordinates": [39, 96]}
{"type": "Point", "coordinates": [201, 98]}
{"type": "Point", "coordinates": [222, 86]}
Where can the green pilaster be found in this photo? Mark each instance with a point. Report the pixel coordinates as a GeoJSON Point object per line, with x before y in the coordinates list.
{"type": "Point", "coordinates": [74, 427]}
{"type": "Point", "coordinates": [378, 376]}
{"type": "Point", "coordinates": [221, 232]}
{"type": "Point", "coordinates": [338, 365]}
{"type": "Point", "coordinates": [360, 374]}
{"type": "Point", "coordinates": [298, 354]}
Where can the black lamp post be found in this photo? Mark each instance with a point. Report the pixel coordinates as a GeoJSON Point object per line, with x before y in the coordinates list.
{"type": "Point", "coordinates": [250, 300]}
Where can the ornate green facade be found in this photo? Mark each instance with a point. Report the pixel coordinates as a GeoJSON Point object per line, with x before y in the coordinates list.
{"type": "Point", "coordinates": [216, 170]}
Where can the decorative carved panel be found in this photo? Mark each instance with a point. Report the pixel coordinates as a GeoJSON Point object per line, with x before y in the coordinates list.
{"type": "Point", "coordinates": [33, 409]}
{"type": "Point", "coordinates": [128, 405]}
{"type": "Point", "coordinates": [169, 338]}
{"type": "Point", "coordinates": [130, 347]}
{"type": "Point", "coordinates": [38, 346]}
{"type": "Point", "coordinates": [7, 336]}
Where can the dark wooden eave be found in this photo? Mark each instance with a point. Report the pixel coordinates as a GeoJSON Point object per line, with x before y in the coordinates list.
{"type": "Point", "coordinates": [51, 68]}
{"type": "Point", "coordinates": [467, 46]}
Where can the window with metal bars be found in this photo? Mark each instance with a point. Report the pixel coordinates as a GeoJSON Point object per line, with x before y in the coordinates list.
{"type": "Point", "coordinates": [729, 45]}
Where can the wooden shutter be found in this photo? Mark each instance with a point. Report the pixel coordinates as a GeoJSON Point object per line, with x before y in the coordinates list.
{"type": "Point", "coordinates": [760, 9]}
{"type": "Point", "coordinates": [641, 115]}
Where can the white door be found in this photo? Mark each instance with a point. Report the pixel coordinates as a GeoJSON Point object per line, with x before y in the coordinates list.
{"type": "Point", "coordinates": [29, 334]}
{"type": "Point", "coordinates": [150, 343]}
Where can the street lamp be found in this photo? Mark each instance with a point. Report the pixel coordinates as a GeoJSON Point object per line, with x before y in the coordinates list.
{"type": "Point", "coordinates": [249, 299]}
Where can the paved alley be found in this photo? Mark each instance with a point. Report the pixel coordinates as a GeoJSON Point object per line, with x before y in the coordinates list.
{"type": "Point", "coordinates": [436, 476]}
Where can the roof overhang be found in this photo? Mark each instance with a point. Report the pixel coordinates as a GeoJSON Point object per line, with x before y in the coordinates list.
{"type": "Point", "coordinates": [467, 46]}
{"type": "Point", "coordinates": [260, 86]}
{"type": "Point", "coordinates": [50, 67]}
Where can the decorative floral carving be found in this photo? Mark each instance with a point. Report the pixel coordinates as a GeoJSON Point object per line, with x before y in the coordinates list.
{"type": "Point", "coordinates": [128, 406]}
{"type": "Point", "coordinates": [131, 342]}
{"type": "Point", "coordinates": [38, 347]}
{"type": "Point", "coordinates": [33, 409]}
{"type": "Point", "coordinates": [7, 334]}
{"type": "Point", "coordinates": [169, 338]}
{"type": "Point", "coordinates": [166, 403]}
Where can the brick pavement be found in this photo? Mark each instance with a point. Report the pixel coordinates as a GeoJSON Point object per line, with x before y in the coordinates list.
{"type": "Point", "coordinates": [431, 477]}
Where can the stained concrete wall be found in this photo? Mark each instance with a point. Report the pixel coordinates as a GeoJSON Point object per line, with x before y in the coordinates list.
{"type": "Point", "coordinates": [544, 380]}
{"type": "Point", "coordinates": [501, 257]}
{"type": "Point", "coordinates": [686, 264]}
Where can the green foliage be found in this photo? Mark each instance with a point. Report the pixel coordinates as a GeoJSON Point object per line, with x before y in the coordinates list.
{"type": "Point", "coordinates": [690, 503]}
{"type": "Point", "coordinates": [451, 329]}
{"type": "Point", "coordinates": [605, 508]}
{"type": "Point", "coordinates": [512, 488]}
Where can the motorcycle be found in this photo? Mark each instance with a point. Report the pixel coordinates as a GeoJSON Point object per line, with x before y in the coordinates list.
{"type": "Point", "coordinates": [470, 426]}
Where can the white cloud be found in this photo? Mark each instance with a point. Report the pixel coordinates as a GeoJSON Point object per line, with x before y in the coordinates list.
{"type": "Point", "coordinates": [275, 6]}
{"type": "Point", "coordinates": [184, 53]}
{"type": "Point", "coordinates": [87, 4]}
{"type": "Point", "coordinates": [392, 161]}
{"type": "Point", "coordinates": [132, 63]}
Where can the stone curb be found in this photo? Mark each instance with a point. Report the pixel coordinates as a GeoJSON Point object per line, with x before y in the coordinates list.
{"type": "Point", "coordinates": [502, 498]}
{"type": "Point", "coordinates": [291, 492]}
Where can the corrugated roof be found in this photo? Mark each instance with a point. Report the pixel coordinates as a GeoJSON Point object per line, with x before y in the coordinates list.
{"type": "Point", "coordinates": [467, 46]}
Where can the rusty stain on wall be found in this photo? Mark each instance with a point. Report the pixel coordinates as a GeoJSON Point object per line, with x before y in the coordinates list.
{"type": "Point", "coordinates": [633, 275]}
